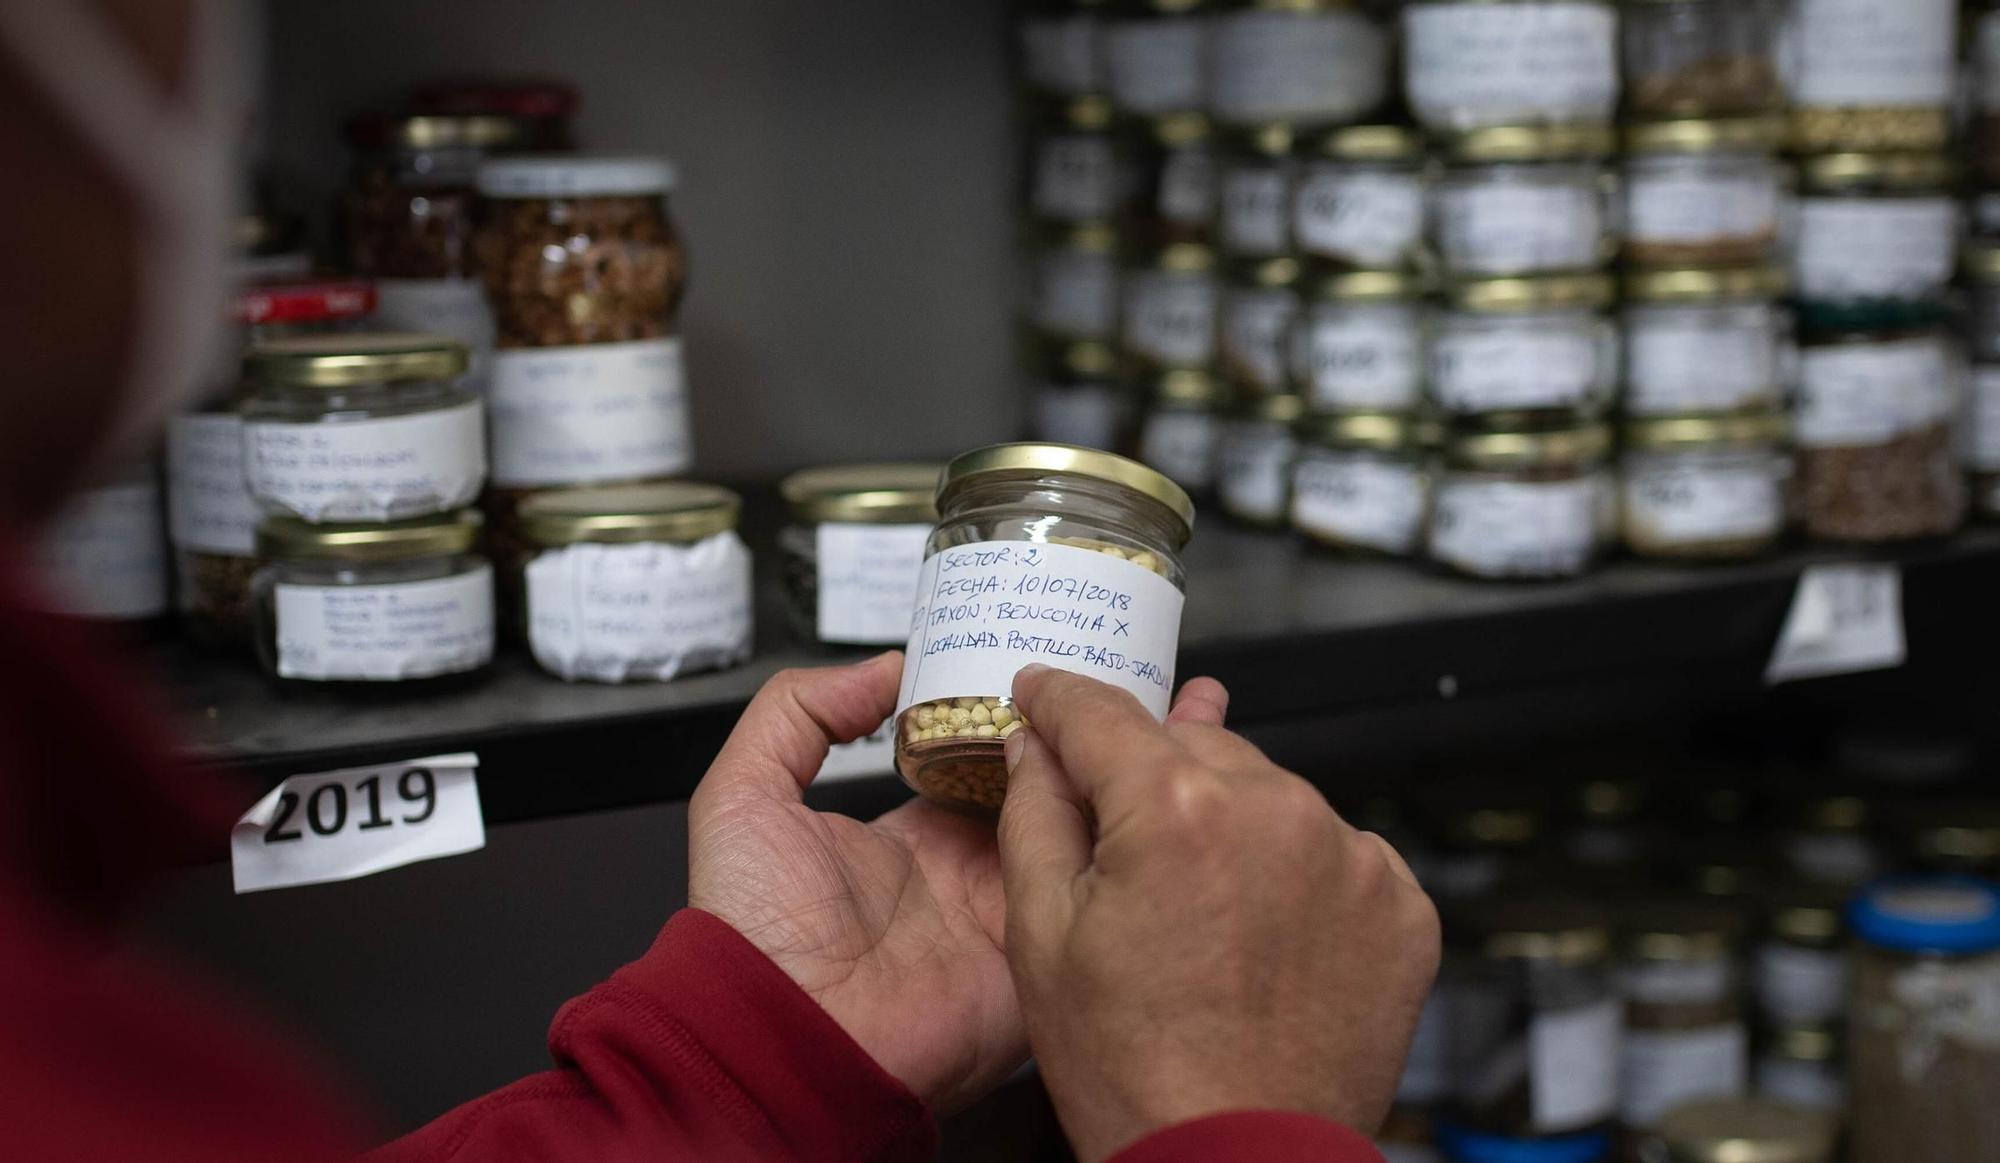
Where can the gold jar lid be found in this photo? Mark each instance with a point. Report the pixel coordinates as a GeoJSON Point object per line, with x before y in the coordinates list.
{"type": "Point", "coordinates": [1188, 386]}
{"type": "Point", "coordinates": [1178, 130]}
{"type": "Point", "coordinates": [1837, 172]}
{"type": "Point", "coordinates": [1364, 432]}
{"type": "Point", "coordinates": [1370, 143]}
{"type": "Point", "coordinates": [1263, 273]}
{"type": "Point", "coordinates": [1747, 1130]}
{"type": "Point", "coordinates": [439, 535]}
{"type": "Point", "coordinates": [1534, 143]}
{"type": "Point", "coordinates": [1557, 448]}
{"type": "Point", "coordinates": [1090, 237]}
{"type": "Point", "coordinates": [1272, 409]}
{"type": "Point", "coordinates": [1680, 433]}
{"type": "Point", "coordinates": [1704, 284]}
{"type": "Point", "coordinates": [1677, 930]}
{"type": "Point", "coordinates": [1807, 915]}
{"type": "Point", "coordinates": [1544, 929]}
{"type": "Point", "coordinates": [1083, 359]}
{"type": "Point", "coordinates": [1982, 260]}
{"type": "Point", "coordinates": [1028, 461]}
{"type": "Point", "coordinates": [1161, 7]}
{"type": "Point", "coordinates": [448, 130]}
{"type": "Point", "coordinates": [1366, 287]}
{"type": "Point", "coordinates": [1706, 135]}
{"type": "Point", "coordinates": [675, 511]}
{"type": "Point", "coordinates": [1805, 1044]}
{"type": "Point", "coordinates": [1608, 799]}
{"type": "Point", "coordinates": [1087, 114]}
{"type": "Point", "coordinates": [864, 494]}
{"type": "Point", "coordinates": [346, 360]}
{"type": "Point", "coordinates": [1179, 258]}
{"type": "Point", "coordinates": [1534, 293]}
{"type": "Point", "coordinates": [1271, 141]}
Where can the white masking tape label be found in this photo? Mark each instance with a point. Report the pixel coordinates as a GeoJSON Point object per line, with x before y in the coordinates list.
{"type": "Point", "coordinates": [390, 632]}
{"type": "Point", "coordinates": [370, 470]}
{"type": "Point", "coordinates": [868, 581]}
{"type": "Point", "coordinates": [615, 612]}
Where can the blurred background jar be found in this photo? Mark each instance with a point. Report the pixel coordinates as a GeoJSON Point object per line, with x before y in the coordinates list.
{"type": "Point", "coordinates": [1801, 1067]}
{"type": "Point", "coordinates": [1529, 349]}
{"type": "Point", "coordinates": [1525, 504]}
{"type": "Point", "coordinates": [1254, 207]}
{"type": "Point", "coordinates": [1362, 483]}
{"type": "Point", "coordinates": [1260, 307]}
{"type": "Point", "coordinates": [1074, 395]}
{"type": "Point", "coordinates": [1686, 1037]}
{"type": "Point", "coordinates": [1742, 1131]}
{"type": "Point", "coordinates": [1522, 201]}
{"type": "Point", "coordinates": [1254, 459]}
{"type": "Point", "coordinates": [1168, 300]}
{"type": "Point", "coordinates": [1182, 430]}
{"type": "Point", "coordinates": [1359, 200]}
{"type": "Point", "coordinates": [1471, 64]}
{"type": "Point", "coordinates": [1361, 343]}
{"type": "Point", "coordinates": [1875, 228]}
{"type": "Point", "coordinates": [1073, 163]}
{"type": "Point", "coordinates": [1155, 56]}
{"type": "Point", "coordinates": [1704, 488]}
{"type": "Point", "coordinates": [1167, 181]}
{"type": "Point", "coordinates": [1702, 193]}
{"type": "Point", "coordinates": [1059, 47]}
{"type": "Point", "coordinates": [1801, 963]}
{"type": "Point", "coordinates": [852, 548]}
{"type": "Point", "coordinates": [1872, 74]}
{"type": "Point", "coordinates": [1704, 340]}
{"type": "Point", "coordinates": [1702, 58]}
{"type": "Point", "coordinates": [1301, 62]}
{"type": "Point", "coordinates": [1073, 282]}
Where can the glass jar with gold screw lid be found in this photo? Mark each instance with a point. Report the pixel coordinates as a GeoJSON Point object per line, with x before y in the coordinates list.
{"type": "Point", "coordinates": [1168, 301]}
{"type": "Point", "coordinates": [1359, 200]}
{"type": "Point", "coordinates": [1154, 56]}
{"type": "Point", "coordinates": [1260, 303]}
{"type": "Point", "coordinates": [1254, 207]}
{"type": "Point", "coordinates": [1526, 351]}
{"type": "Point", "coordinates": [1043, 553]}
{"type": "Point", "coordinates": [1523, 200]}
{"type": "Point", "coordinates": [1801, 1067]}
{"type": "Point", "coordinates": [1307, 62]}
{"type": "Point", "coordinates": [1074, 394]}
{"type": "Point", "coordinates": [1865, 75]}
{"type": "Point", "coordinates": [1801, 964]}
{"type": "Point", "coordinates": [853, 547]}
{"type": "Point", "coordinates": [1702, 58]}
{"type": "Point", "coordinates": [1523, 504]}
{"type": "Point", "coordinates": [1362, 483]}
{"type": "Point", "coordinates": [1182, 430]}
{"type": "Point", "coordinates": [1469, 64]}
{"type": "Point", "coordinates": [1254, 459]}
{"type": "Point", "coordinates": [1704, 340]}
{"type": "Point", "coordinates": [1073, 282]}
{"type": "Point", "coordinates": [1707, 487]}
{"type": "Point", "coordinates": [1073, 170]}
{"type": "Point", "coordinates": [1360, 345]}
{"type": "Point", "coordinates": [1686, 1039]}
{"type": "Point", "coordinates": [1167, 180]}
{"type": "Point", "coordinates": [1702, 192]}
{"type": "Point", "coordinates": [1875, 228]}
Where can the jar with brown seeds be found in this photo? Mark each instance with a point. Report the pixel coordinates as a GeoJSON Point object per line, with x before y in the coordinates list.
{"type": "Point", "coordinates": [1702, 192]}
{"type": "Point", "coordinates": [1702, 58]}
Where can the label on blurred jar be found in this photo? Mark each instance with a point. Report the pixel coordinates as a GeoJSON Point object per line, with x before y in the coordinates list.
{"type": "Point", "coordinates": [1498, 528]}
{"type": "Point", "coordinates": [1505, 228]}
{"type": "Point", "coordinates": [1182, 445]}
{"type": "Point", "coordinates": [1059, 53]}
{"type": "Point", "coordinates": [594, 412]}
{"type": "Point", "coordinates": [1664, 1069]}
{"type": "Point", "coordinates": [1983, 420]}
{"type": "Point", "coordinates": [105, 554]}
{"type": "Point", "coordinates": [1361, 217]}
{"type": "Point", "coordinates": [451, 307]}
{"type": "Point", "coordinates": [1874, 248]}
{"type": "Point", "coordinates": [1076, 177]}
{"type": "Point", "coordinates": [1086, 415]}
{"type": "Point", "coordinates": [1681, 361]}
{"type": "Point", "coordinates": [1186, 196]}
{"type": "Point", "coordinates": [1254, 469]}
{"type": "Point", "coordinates": [1357, 500]}
{"type": "Point", "coordinates": [611, 613]}
{"type": "Point", "coordinates": [1492, 369]}
{"type": "Point", "coordinates": [988, 609]}
{"type": "Point", "coordinates": [1254, 211]}
{"type": "Point", "coordinates": [1076, 294]}
{"type": "Point", "coordinates": [209, 506]}
{"type": "Point", "coordinates": [1472, 64]}
{"type": "Point", "coordinates": [867, 579]}
{"type": "Point", "coordinates": [1797, 986]}
{"type": "Point", "coordinates": [1859, 394]}
{"type": "Point", "coordinates": [385, 633]}
{"type": "Point", "coordinates": [1363, 358]}
{"type": "Point", "coordinates": [1573, 1065]}
{"type": "Point", "coordinates": [1285, 66]}
{"type": "Point", "coordinates": [1154, 66]}
{"type": "Point", "coordinates": [1673, 504]}
{"type": "Point", "coordinates": [1256, 323]}
{"type": "Point", "coordinates": [1170, 318]}
{"type": "Point", "coordinates": [1673, 202]}
{"type": "Point", "coordinates": [1866, 52]}
{"type": "Point", "coordinates": [370, 470]}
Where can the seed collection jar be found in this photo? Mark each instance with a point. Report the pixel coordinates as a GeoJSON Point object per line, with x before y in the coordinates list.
{"type": "Point", "coordinates": [1925, 1020]}
{"type": "Point", "coordinates": [1182, 430]}
{"type": "Point", "coordinates": [1254, 210]}
{"type": "Point", "coordinates": [852, 549]}
{"type": "Point", "coordinates": [1360, 345]}
{"type": "Point", "coordinates": [362, 427]}
{"type": "Point", "coordinates": [1872, 74]}
{"type": "Point", "coordinates": [1801, 965]}
{"type": "Point", "coordinates": [1801, 1068]}
{"type": "Point", "coordinates": [1167, 181]}
{"type": "Point", "coordinates": [1169, 305]}
{"type": "Point", "coordinates": [1076, 398]}
{"type": "Point", "coordinates": [1703, 340]}
{"type": "Point", "coordinates": [1540, 347]}
{"type": "Point", "coordinates": [377, 603]}
{"type": "Point", "coordinates": [1303, 62]}
{"type": "Point", "coordinates": [1362, 483]}
{"type": "Point", "coordinates": [1155, 56]}
{"type": "Point", "coordinates": [631, 583]}
{"type": "Point", "coordinates": [1260, 304]}
{"type": "Point", "coordinates": [1702, 58]}
{"type": "Point", "coordinates": [1702, 193]}
{"type": "Point", "coordinates": [1473, 64]}
{"type": "Point", "coordinates": [1745, 1130]}
{"type": "Point", "coordinates": [1524, 201]}
{"type": "Point", "coordinates": [1530, 504]}
{"type": "Point", "coordinates": [1074, 283]}
{"type": "Point", "coordinates": [1704, 487]}
{"type": "Point", "coordinates": [1685, 1034]}
{"type": "Point", "coordinates": [1059, 48]}
{"type": "Point", "coordinates": [1043, 554]}
{"type": "Point", "coordinates": [1360, 198]}
{"type": "Point", "coordinates": [1254, 459]}
{"type": "Point", "coordinates": [1073, 175]}
{"type": "Point", "coordinates": [1875, 228]}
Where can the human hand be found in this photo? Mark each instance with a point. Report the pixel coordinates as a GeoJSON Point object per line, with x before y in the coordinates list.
{"type": "Point", "coordinates": [1192, 929]}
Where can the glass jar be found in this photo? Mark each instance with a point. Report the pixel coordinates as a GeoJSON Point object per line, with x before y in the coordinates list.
{"type": "Point", "coordinates": [1260, 304]}
{"type": "Point", "coordinates": [1256, 193]}
{"type": "Point", "coordinates": [103, 557]}
{"type": "Point", "coordinates": [1059, 48]}
{"type": "Point", "coordinates": [1168, 309]}
{"type": "Point", "coordinates": [1527, 201]}
{"type": "Point", "coordinates": [1873, 228]}
{"type": "Point", "coordinates": [408, 219]}
{"type": "Point", "coordinates": [1981, 271]}
{"type": "Point", "coordinates": [1470, 64]}
{"type": "Point", "coordinates": [1745, 1130]}
{"type": "Point", "coordinates": [1876, 454]}
{"type": "Point", "coordinates": [1925, 1020]}
{"type": "Point", "coordinates": [1685, 1037]}
{"type": "Point", "coordinates": [1704, 487]}
{"type": "Point", "coordinates": [1359, 198]}
{"type": "Point", "coordinates": [1702, 58]}
{"type": "Point", "coordinates": [853, 547]}
{"type": "Point", "coordinates": [1536, 1022]}
{"type": "Point", "coordinates": [1522, 504]}
{"type": "Point", "coordinates": [1168, 181]}
{"type": "Point", "coordinates": [1155, 54]}
{"type": "Point", "coordinates": [1074, 283]}
{"type": "Point", "coordinates": [1800, 1067]}
{"type": "Point", "coordinates": [1526, 349]}
{"type": "Point", "coordinates": [1702, 193]}
{"type": "Point", "coordinates": [377, 603]}
{"type": "Point", "coordinates": [1182, 430]}
{"type": "Point", "coordinates": [1076, 398]}
{"type": "Point", "coordinates": [1362, 483]}
{"type": "Point", "coordinates": [362, 427]}
{"type": "Point", "coordinates": [1360, 345]}
{"type": "Point", "coordinates": [584, 270]}
{"type": "Point", "coordinates": [1254, 460]}
{"type": "Point", "coordinates": [1073, 164]}
{"type": "Point", "coordinates": [1464, 1146]}
{"type": "Point", "coordinates": [1704, 340]}
{"type": "Point", "coordinates": [1042, 554]}
{"type": "Point", "coordinates": [1872, 74]}
{"type": "Point", "coordinates": [1801, 963]}
{"type": "Point", "coordinates": [1605, 833]}
{"type": "Point", "coordinates": [1830, 840]}
{"type": "Point", "coordinates": [545, 105]}
{"type": "Point", "coordinates": [1307, 62]}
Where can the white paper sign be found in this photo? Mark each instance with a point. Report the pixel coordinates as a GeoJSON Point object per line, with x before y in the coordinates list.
{"type": "Point", "coordinates": [1363, 217]}
{"type": "Point", "coordinates": [105, 554]}
{"type": "Point", "coordinates": [1844, 619]}
{"type": "Point", "coordinates": [610, 613]}
{"type": "Point", "coordinates": [1075, 177]}
{"type": "Point", "coordinates": [1517, 529]}
{"type": "Point", "coordinates": [1088, 416]}
{"type": "Point", "coordinates": [339, 825]}
{"type": "Point", "coordinates": [390, 632]}
{"type": "Point", "coordinates": [872, 754]}
{"type": "Point", "coordinates": [1874, 248]}
{"type": "Point", "coordinates": [1076, 294]}
{"type": "Point", "coordinates": [988, 609]}
{"type": "Point", "coordinates": [450, 307]}
{"type": "Point", "coordinates": [1359, 500]}
{"type": "Point", "coordinates": [209, 507]}
{"type": "Point", "coordinates": [593, 412]}
{"type": "Point", "coordinates": [868, 581]}
{"type": "Point", "coordinates": [1307, 66]}
{"type": "Point", "coordinates": [1170, 318]}
{"type": "Point", "coordinates": [1256, 323]}
{"type": "Point", "coordinates": [1363, 358]}
{"type": "Point", "coordinates": [1469, 65]}
{"type": "Point", "coordinates": [1573, 1064]}
{"type": "Point", "coordinates": [1154, 66]}
{"type": "Point", "coordinates": [1529, 365]}
{"type": "Point", "coordinates": [370, 470]}
{"type": "Point", "coordinates": [1254, 217]}
{"type": "Point", "coordinates": [1509, 228]}
{"type": "Point", "coordinates": [1681, 361]}
{"type": "Point", "coordinates": [1663, 1069]}
{"type": "Point", "coordinates": [1868, 52]}
{"type": "Point", "coordinates": [1182, 445]}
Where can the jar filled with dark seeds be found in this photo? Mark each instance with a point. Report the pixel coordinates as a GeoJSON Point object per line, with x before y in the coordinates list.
{"type": "Point", "coordinates": [853, 547]}
{"type": "Point", "coordinates": [1254, 459]}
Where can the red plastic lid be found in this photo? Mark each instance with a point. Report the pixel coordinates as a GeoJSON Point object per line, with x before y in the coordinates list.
{"type": "Point", "coordinates": [302, 299]}
{"type": "Point", "coordinates": [534, 99]}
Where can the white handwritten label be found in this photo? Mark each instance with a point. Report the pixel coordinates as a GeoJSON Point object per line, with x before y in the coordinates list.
{"type": "Point", "coordinates": [1501, 528]}
{"type": "Point", "coordinates": [1874, 248]}
{"type": "Point", "coordinates": [1475, 64]}
{"type": "Point", "coordinates": [1254, 210]}
{"type": "Point", "coordinates": [1366, 218]}
{"type": "Point", "coordinates": [1674, 503]}
{"type": "Point", "coordinates": [595, 412]}
{"type": "Point", "coordinates": [1982, 425]}
{"type": "Point", "coordinates": [1306, 66]}
{"type": "Point", "coordinates": [339, 825]}
{"type": "Point", "coordinates": [450, 307]}
{"type": "Point", "coordinates": [1256, 323]}
{"type": "Point", "coordinates": [1799, 986]}
{"type": "Point", "coordinates": [105, 554]}
{"type": "Point", "coordinates": [1529, 361]}
{"type": "Point", "coordinates": [1502, 227]}
{"type": "Point", "coordinates": [209, 506]}
{"type": "Point", "coordinates": [1573, 1065]}
{"type": "Point", "coordinates": [1170, 317]}
{"type": "Point", "coordinates": [1844, 619]}
{"type": "Point", "coordinates": [1182, 445]}
{"type": "Point", "coordinates": [1366, 357]}
{"type": "Point", "coordinates": [872, 754]}
{"type": "Point", "coordinates": [1076, 294]}
{"type": "Point", "coordinates": [615, 613]}
{"type": "Point", "coordinates": [1075, 177]}
{"type": "Point", "coordinates": [1187, 188]}
{"type": "Point", "coordinates": [988, 609]}
{"type": "Point", "coordinates": [868, 581]}
{"type": "Point", "coordinates": [389, 632]}
{"type": "Point", "coordinates": [1687, 360]}
{"type": "Point", "coordinates": [369, 470]}
{"type": "Point", "coordinates": [1254, 470]}
{"type": "Point", "coordinates": [1358, 499]}
{"type": "Point", "coordinates": [1086, 415]}
{"type": "Point", "coordinates": [1867, 52]}
{"type": "Point", "coordinates": [1663, 1069]}
{"type": "Point", "coordinates": [1675, 201]}
{"type": "Point", "coordinates": [1059, 53]}
{"type": "Point", "coordinates": [1858, 394]}
{"type": "Point", "coordinates": [1154, 66]}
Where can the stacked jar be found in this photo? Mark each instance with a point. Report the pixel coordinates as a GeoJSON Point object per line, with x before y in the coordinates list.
{"type": "Point", "coordinates": [1072, 313]}
{"type": "Point", "coordinates": [1983, 134]}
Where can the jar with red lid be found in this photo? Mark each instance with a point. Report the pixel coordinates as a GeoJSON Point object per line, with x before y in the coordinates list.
{"type": "Point", "coordinates": [545, 105]}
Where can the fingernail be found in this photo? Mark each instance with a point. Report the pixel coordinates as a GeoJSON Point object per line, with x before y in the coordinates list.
{"type": "Point", "coordinates": [1015, 747]}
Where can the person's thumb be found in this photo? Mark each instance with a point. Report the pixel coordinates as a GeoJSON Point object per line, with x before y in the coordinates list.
{"type": "Point", "coordinates": [1045, 840]}
{"type": "Point", "coordinates": [782, 739]}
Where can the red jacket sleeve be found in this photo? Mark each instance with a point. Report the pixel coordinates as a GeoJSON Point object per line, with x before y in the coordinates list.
{"type": "Point", "coordinates": [702, 1049]}
{"type": "Point", "coordinates": [1252, 1137]}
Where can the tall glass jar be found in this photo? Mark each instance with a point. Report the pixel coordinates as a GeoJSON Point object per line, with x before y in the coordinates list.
{"type": "Point", "coordinates": [373, 603]}
{"type": "Point", "coordinates": [1073, 291]}
{"type": "Point", "coordinates": [1702, 193]}
{"type": "Point", "coordinates": [1738, 1130]}
{"type": "Point", "coordinates": [1073, 163]}
{"type": "Point", "coordinates": [1260, 305]}
{"type": "Point", "coordinates": [1703, 58]}
{"type": "Point", "coordinates": [1306, 62]}
{"type": "Point", "coordinates": [1168, 306]}
{"type": "Point", "coordinates": [1155, 56]}
{"type": "Point", "coordinates": [1362, 483]}
{"type": "Point", "coordinates": [1704, 487]}
{"type": "Point", "coordinates": [1360, 198]}
{"type": "Point", "coordinates": [1509, 350]}
{"type": "Point", "coordinates": [631, 583]}
{"type": "Point", "coordinates": [1253, 462]}
{"type": "Point", "coordinates": [1471, 64]}
{"type": "Point", "coordinates": [1254, 210]}
{"type": "Point", "coordinates": [1875, 228]}
{"type": "Point", "coordinates": [1182, 430]}
{"type": "Point", "coordinates": [1527, 201]}
{"type": "Point", "coordinates": [1167, 181]}
{"type": "Point", "coordinates": [1043, 554]}
{"type": "Point", "coordinates": [853, 547]}
{"type": "Point", "coordinates": [1523, 504]}
{"type": "Point", "coordinates": [1074, 395]}
{"type": "Point", "coordinates": [1872, 74]}
{"type": "Point", "coordinates": [1361, 344]}
{"type": "Point", "coordinates": [1704, 340]}
{"type": "Point", "coordinates": [362, 427]}
{"type": "Point", "coordinates": [1925, 1020]}
{"type": "Point", "coordinates": [1685, 1034]}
